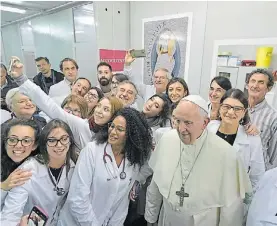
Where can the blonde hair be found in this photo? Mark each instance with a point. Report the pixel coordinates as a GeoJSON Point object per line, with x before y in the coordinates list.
{"type": "Point", "coordinates": [80, 101]}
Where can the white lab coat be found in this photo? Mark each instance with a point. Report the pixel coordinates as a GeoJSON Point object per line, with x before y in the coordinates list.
{"type": "Point", "coordinates": [63, 88]}
{"type": "Point", "coordinates": [80, 127]}
{"type": "Point", "coordinates": [145, 91]}
{"type": "Point", "coordinates": [263, 209]}
{"type": "Point", "coordinates": [250, 150]}
{"type": "Point", "coordinates": [39, 191]}
{"type": "Point", "coordinates": [94, 201]}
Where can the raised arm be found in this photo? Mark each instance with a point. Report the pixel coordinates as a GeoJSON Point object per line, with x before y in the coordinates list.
{"type": "Point", "coordinates": [79, 126]}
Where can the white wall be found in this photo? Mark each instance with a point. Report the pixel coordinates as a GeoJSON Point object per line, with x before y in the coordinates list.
{"type": "Point", "coordinates": [235, 20]}
{"type": "Point", "coordinates": [211, 21]}
{"type": "Point", "coordinates": [54, 37]}
{"type": "Point", "coordinates": [140, 10]}
{"type": "Point", "coordinates": [12, 42]}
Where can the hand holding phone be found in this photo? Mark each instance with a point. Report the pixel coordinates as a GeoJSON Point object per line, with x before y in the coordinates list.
{"type": "Point", "coordinates": [37, 217]}
{"type": "Point", "coordinates": [13, 60]}
{"type": "Point", "coordinates": [138, 53]}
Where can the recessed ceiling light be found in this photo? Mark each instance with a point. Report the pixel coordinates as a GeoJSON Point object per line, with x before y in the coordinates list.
{"type": "Point", "coordinates": [12, 9]}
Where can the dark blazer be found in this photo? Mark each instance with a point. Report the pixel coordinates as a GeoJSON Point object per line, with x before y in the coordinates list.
{"type": "Point", "coordinates": [38, 80]}
{"type": "Point", "coordinates": [10, 85]}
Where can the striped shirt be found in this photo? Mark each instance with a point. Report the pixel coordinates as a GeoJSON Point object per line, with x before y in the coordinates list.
{"type": "Point", "coordinates": [265, 118]}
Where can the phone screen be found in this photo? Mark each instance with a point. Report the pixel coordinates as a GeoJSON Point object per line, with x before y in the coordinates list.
{"type": "Point", "coordinates": [138, 53]}
{"type": "Point", "coordinates": [37, 218]}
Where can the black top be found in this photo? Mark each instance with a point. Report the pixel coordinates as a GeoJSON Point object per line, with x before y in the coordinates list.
{"type": "Point", "coordinates": [45, 83]}
{"type": "Point", "coordinates": [56, 172]}
{"type": "Point", "coordinates": [230, 138]}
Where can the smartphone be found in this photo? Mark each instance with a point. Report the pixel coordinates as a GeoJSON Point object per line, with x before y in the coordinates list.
{"type": "Point", "coordinates": [37, 217]}
{"type": "Point", "coordinates": [12, 61]}
{"type": "Point", "coordinates": [138, 53]}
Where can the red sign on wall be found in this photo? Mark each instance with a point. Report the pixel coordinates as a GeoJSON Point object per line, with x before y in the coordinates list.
{"type": "Point", "coordinates": [115, 58]}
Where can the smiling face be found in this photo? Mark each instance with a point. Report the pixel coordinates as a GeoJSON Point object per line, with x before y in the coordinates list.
{"type": "Point", "coordinates": [73, 108]}
{"type": "Point", "coordinates": [58, 143]}
{"type": "Point", "coordinates": [19, 150]}
{"type": "Point", "coordinates": [160, 80]}
{"type": "Point", "coordinates": [176, 92]}
{"type": "Point", "coordinates": [103, 112]}
{"type": "Point", "coordinates": [91, 98]}
{"type": "Point", "coordinates": [216, 93]}
{"type": "Point", "coordinates": [117, 131]}
{"type": "Point", "coordinates": [80, 87]}
{"type": "Point", "coordinates": [22, 106]}
{"type": "Point", "coordinates": [190, 123]}
{"type": "Point", "coordinates": [231, 111]}
{"type": "Point", "coordinates": [126, 93]}
{"type": "Point", "coordinates": [153, 107]}
{"type": "Point", "coordinates": [257, 86]}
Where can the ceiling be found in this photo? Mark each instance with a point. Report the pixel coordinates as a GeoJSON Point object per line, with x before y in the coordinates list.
{"type": "Point", "coordinates": [32, 8]}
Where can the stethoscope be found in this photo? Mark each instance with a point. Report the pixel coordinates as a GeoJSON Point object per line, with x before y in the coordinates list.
{"type": "Point", "coordinates": [122, 175]}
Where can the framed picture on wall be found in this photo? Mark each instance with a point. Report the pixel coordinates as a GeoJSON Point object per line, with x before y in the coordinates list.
{"type": "Point", "coordinates": [166, 41]}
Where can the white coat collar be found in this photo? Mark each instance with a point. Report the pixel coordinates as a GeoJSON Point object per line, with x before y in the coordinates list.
{"type": "Point", "coordinates": [241, 137]}
{"type": "Point", "coordinates": [43, 172]}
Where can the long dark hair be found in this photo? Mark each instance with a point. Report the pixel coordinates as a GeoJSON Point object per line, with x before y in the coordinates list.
{"type": "Point", "coordinates": [163, 117]}
{"type": "Point", "coordinates": [7, 164]}
{"type": "Point", "coordinates": [43, 157]}
{"type": "Point", "coordinates": [138, 143]}
{"type": "Point", "coordinates": [240, 96]}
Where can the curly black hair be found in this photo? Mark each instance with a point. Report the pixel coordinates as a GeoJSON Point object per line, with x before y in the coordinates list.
{"type": "Point", "coordinates": [7, 164]}
{"type": "Point", "coordinates": [138, 143]}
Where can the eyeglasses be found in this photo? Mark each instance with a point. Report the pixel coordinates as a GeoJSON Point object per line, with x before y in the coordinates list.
{"type": "Point", "coordinates": [118, 129]}
{"type": "Point", "coordinates": [72, 111]}
{"type": "Point", "coordinates": [92, 96]}
{"type": "Point", "coordinates": [161, 78]}
{"type": "Point", "coordinates": [25, 101]}
{"type": "Point", "coordinates": [236, 109]}
{"type": "Point", "coordinates": [52, 142]}
{"type": "Point", "coordinates": [25, 142]}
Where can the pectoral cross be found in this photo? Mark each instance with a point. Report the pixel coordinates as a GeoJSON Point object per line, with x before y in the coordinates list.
{"type": "Point", "coordinates": [182, 194]}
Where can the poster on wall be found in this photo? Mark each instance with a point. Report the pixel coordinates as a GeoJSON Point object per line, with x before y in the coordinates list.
{"type": "Point", "coordinates": [115, 58]}
{"type": "Point", "coordinates": [167, 43]}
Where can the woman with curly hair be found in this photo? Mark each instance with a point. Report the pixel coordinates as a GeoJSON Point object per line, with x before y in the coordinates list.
{"type": "Point", "coordinates": [106, 172]}
{"type": "Point", "coordinates": [156, 110]}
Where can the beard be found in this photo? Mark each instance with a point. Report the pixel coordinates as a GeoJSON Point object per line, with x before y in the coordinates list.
{"type": "Point", "coordinates": [104, 81]}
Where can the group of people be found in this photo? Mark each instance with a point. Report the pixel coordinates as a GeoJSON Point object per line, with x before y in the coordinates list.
{"type": "Point", "coordinates": [121, 153]}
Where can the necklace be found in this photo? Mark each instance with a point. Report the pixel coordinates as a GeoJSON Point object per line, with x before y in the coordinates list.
{"type": "Point", "coordinates": [59, 191]}
{"type": "Point", "coordinates": [182, 194]}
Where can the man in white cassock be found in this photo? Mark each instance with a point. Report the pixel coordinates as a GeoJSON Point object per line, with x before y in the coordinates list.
{"type": "Point", "coordinates": [198, 180]}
